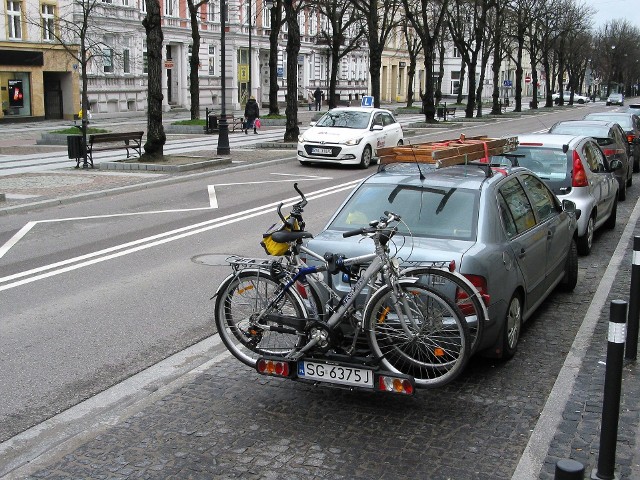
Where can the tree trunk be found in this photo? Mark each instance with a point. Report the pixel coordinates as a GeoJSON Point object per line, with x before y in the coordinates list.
{"type": "Point", "coordinates": [411, 74]}
{"type": "Point", "coordinates": [156, 137]}
{"type": "Point", "coordinates": [333, 77]}
{"type": "Point", "coordinates": [375, 65]}
{"type": "Point", "coordinates": [194, 64]}
{"type": "Point", "coordinates": [463, 72]}
{"type": "Point", "coordinates": [293, 48]}
{"type": "Point", "coordinates": [276, 20]}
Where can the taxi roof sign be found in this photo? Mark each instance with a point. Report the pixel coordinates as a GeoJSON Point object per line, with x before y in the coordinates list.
{"type": "Point", "coordinates": [367, 101]}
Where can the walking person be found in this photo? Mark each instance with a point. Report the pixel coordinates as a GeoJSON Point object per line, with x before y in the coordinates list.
{"type": "Point", "coordinates": [251, 112]}
{"type": "Point", "coordinates": [318, 97]}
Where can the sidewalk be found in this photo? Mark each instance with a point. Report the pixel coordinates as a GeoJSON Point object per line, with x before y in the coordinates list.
{"type": "Point", "coordinates": [167, 431]}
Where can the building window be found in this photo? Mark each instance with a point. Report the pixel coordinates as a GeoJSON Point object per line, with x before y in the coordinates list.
{"type": "Point", "coordinates": [212, 13]}
{"type": "Point", "coordinates": [107, 1]}
{"type": "Point", "coordinates": [107, 60]}
{"type": "Point", "coordinates": [266, 17]}
{"type": "Point", "coordinates": [170, 8]}
{"type": "Point", "coordinates": [143, 6]}
{"type": "Point", "coordinates": [125, 3]}
{"type": "Point", "coordinates": [212, 60]}
{"type": "Point", "coordinates": [14, 14]}
{"type": "Point", "coordinates": [456, 52]}
{"type": "Point", "coordinates": [48, 25]}
{"type": "Point", "coordinates": [126, 61]}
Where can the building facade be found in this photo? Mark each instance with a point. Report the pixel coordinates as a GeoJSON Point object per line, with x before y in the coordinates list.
{"type": "Point", "coordinates": [38, 76]}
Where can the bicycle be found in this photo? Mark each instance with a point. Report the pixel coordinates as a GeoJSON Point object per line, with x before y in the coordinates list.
{"type": "Point", "coordinates": [281, 316]}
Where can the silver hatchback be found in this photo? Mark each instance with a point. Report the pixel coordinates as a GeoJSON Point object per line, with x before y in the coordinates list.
{"type": "Point", "coordinates": [576, 169]}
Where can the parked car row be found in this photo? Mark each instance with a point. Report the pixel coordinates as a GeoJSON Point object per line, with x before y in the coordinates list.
{"type": "Point", "coordinates": [515, 231]}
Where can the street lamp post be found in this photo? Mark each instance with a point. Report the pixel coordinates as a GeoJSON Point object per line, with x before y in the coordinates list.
{"type": "Point", "coordinates": [250, 23]}
{"type": "Point", "coordinates": [223, 126]}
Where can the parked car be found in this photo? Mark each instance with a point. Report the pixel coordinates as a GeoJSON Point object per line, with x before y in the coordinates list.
{"type": "Point", "coordinates": [613, 141]}
{"type": "Point", "coordinates": [576, 169]}
{"type": "Point", "coordinates": [349, 135]}
{"type": "Point", "coordinates": [504, 229]}
{"type": "Point", "coordinates": [566, 96]}
{"type": "Point", "coordinates": [630, 123]}
{"type": "Point", "coordinates": [615, 99]}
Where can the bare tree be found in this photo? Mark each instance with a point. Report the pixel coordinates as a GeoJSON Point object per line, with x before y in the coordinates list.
{"type": "Point", "coordinates": [381, 19]}
{"type": "Point", "coordinates": [497, 27]}
{"type": "Point", "coordinates": [194, 63]}
{"type": "Point", "coordinates": [156, 138]}
{"type": "Point", "coordinates": [467, 22]}
{"type": "Point", "coordinates": [293, 48]}
{"type": "Point", "coordinates": [520, 14]}
{"type": "Point", "coordinates": [414, 47]}
{"type": "Point", "coordinates": [343, 36]}
{"type": "Point", "coordinates": [427, 19]}
{"type": "Point", "coordinates": [276, 22]}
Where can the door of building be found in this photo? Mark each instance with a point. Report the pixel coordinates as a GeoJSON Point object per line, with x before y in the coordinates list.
{"type": "Point", "coordinates": [52, 98]}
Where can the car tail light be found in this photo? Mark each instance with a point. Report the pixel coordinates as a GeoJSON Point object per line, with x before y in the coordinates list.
{"type": "Point", "coordinates": [579, 177]}
{"type": "Point", "coordinates": [301, 290]}
{"type": "Point", "coordinates": [630, 137]}
{"type": "Point", "coordinates": [530, 144]}
{"type": "Point", "coordinates": [480, 283]}
{"type": "Point", "coordinates": [387, 383]}
{"type": "Point", "coordinates": [608, 152]}
{"type": "Point", "coordinates": [274, 368]}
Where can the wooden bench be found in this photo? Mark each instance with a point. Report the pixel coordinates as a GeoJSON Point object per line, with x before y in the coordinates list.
{"type": "Point", "coordinates": [113, 141]}
{"type": "Point", "coordinates": [233, 123]}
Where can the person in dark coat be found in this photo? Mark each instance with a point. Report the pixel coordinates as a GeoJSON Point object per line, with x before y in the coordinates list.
{"type": "Point", "coordinates": [251, 112]}
{"type": "Point", "coordinates": [318, 96]}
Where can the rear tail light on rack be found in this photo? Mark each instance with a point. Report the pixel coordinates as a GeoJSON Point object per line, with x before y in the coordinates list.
{"type": "Point", "coordinates": [274, 368]}
{"type": "Point", "coordinates": [630, 137]}
{"type": "Point", "coordinates": [390, 384]}
{"type": "Point", "coordinates": [579, 177]}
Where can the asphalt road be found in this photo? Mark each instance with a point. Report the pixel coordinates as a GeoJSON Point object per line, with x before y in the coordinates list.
{"type": "Point", "coordinates": [97, 291]}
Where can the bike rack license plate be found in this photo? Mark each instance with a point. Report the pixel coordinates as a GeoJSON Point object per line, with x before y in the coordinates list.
{"type": "Point", "coordinates": [339, 374]}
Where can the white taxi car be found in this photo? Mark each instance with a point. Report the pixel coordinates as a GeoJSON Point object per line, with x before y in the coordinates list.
{"type": "Point", "coordinates": [349, 135]}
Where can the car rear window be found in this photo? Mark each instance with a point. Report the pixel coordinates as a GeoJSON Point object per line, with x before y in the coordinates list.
{"type": "Point", "coordinates": [624, 122]}
{"type": "Point", "coordinates": [439, 212]}
{"type": "Point", "coordinates": [550, 164]}
{"type": "Point", "coordinates": [345, 119]}
{"type": "Point", "coordinates": [569, 129]}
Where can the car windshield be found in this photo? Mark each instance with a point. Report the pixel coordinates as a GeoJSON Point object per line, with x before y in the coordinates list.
{"type": "Point", "coordinates": [345, 119]}
{"type": "Point", "coordinates": [440, 212]}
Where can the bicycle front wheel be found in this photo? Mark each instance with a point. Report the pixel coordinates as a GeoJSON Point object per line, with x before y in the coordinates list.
{"type": "Point", "coordinates": [418, 332]}
{"type": "Point", "coordinates": [241, 298]}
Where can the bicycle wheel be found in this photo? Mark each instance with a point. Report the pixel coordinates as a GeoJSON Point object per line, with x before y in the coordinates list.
{"type": "Point", "coordinates": [433, 347]}
{"type": "Point", "coordinates": [467, 298]}
{"type": "Point", "coordinates": [239, 299]}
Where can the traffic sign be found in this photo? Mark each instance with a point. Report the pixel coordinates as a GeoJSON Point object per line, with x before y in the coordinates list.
{"type": "Point", "coordinates": [507, 83]}
{"type": "Point", "coordinates": [367, 101]}
{"type": "Point", "coordinates": [527, 79]}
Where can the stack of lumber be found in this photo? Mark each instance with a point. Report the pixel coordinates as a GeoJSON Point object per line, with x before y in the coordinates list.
{"type": "Point", "coordinates": [448, 152]}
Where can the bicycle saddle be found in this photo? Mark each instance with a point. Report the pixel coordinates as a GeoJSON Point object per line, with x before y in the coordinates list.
{"type": "Point", "coordinates": [284, 236]}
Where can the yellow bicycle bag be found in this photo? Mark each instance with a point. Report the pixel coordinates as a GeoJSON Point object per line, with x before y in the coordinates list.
{"type": "Point", "coordinates": [277, 249]}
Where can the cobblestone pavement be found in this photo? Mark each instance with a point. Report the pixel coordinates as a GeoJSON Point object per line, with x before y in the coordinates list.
{"type": "Point", "coordinates": [232, 423]}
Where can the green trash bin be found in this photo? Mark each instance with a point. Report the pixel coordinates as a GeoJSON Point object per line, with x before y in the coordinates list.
{"type": "Point", "coordinates": [74, 146]}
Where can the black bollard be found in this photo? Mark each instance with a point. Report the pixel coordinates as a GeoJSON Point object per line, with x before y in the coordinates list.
{"type": "Point", "coordinates": [612, 389]}
{"type": "Point", "coordinates": [567, 469]}
{"type": "Point", "coordinates": [631, 351]}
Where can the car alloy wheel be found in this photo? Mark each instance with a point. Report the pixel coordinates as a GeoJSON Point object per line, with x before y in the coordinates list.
{"type": "Point", "coordinates": [512, 328]}
{"type": "Point", "coordinates": [586, 241]}
{"type": "Point", "coordinates": [366, 157]}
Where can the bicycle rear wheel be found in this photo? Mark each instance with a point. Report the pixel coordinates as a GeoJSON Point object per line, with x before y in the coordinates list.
{"type": "Point", "coordinates": [433, 346]}
{"type": "Point", "coordinates": [240, 299]}
{"type": "Point", "coordinates": [467, 297]}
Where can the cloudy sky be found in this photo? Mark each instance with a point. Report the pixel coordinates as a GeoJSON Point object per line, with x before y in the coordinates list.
{"type": "Point", "coordinates": [607, 10]}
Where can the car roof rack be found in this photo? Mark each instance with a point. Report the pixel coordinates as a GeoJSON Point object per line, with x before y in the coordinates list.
{"type": "Point", "coordinates": [446, 153]}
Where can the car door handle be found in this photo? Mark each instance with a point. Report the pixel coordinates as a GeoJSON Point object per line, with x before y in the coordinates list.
{"type": "Point", "coordinates": [549, 234]}
{"type": "Point", "coordinates": [522, 253]}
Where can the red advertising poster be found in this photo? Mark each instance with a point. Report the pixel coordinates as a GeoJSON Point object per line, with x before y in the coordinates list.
{"type": "Point", "coordinates": [16, 94]}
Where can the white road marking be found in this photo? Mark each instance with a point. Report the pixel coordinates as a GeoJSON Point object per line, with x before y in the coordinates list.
{"type": "Point", "coordinates": [159, 239]}
{"type": "Point", "coordinates": [16, 238]}
{"type": "Point", "coordinates": [213, 200]}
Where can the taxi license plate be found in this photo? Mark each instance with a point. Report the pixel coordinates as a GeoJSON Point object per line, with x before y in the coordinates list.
{"type": "Point", "coordinates": [339, 374]}
{"type": "Point", "coordinates": [321, 151]}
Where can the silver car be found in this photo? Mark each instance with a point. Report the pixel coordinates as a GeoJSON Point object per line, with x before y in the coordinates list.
{"type": "Point", "coordinates": [576, 169]}
{"type": "Point", "coordinates": [502, 228]}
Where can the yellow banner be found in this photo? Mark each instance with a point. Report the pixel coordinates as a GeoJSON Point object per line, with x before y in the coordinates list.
{"type": "Point", "coordinates": [243, 73]}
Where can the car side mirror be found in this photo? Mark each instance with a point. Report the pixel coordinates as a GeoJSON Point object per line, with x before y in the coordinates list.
{"type": "Point", "coordinates": [615, 165]}
{"type": "Point", "coordinates": [312, 124]}
{"type": "Point", "coordinates": [377, 128]}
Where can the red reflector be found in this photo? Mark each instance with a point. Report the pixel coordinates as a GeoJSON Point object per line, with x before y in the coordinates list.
{"type": "Point", "coordinates": [579, 177]}
{"type": "Point", "coordinates": [262, 365]}
{"type": "Point", "coordinates": [301, 290]}
{"type": "Point", "coordinates": [630, 138]}
{"type": "Point", "coordinates": [408, 388]}
{"type": "Point", "coordinates": [452, 265]}
{"type": "Point", "coordinates": [608, 152]}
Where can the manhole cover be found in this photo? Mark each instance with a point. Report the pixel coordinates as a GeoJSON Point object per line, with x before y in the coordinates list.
{"type": "Point", "coordinates": [212, 259]}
